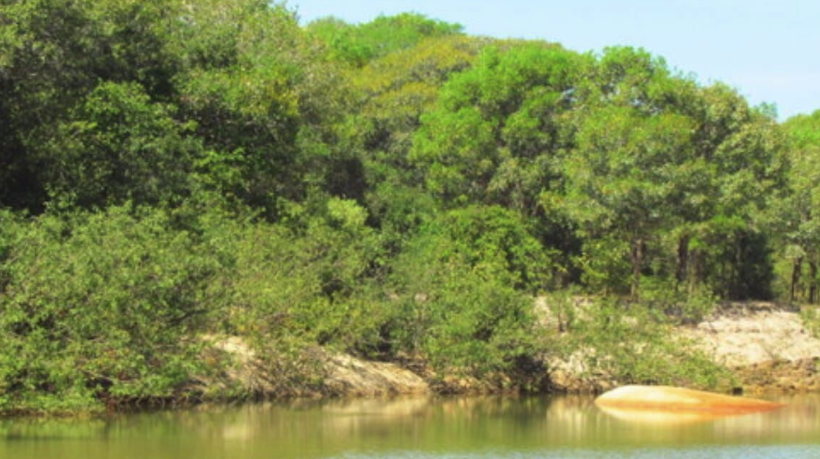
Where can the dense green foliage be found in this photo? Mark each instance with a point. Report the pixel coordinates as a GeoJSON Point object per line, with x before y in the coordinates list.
{"type": "Point", "coordinates": [172, 171]}
{"type": "Point", "coordinates": [796, 215]}
{"type": "Point", "coordinates": [99, 305]}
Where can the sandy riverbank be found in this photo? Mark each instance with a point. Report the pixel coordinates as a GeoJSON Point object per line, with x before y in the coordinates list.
{"type": "Point", "coordinates": [765, 345]}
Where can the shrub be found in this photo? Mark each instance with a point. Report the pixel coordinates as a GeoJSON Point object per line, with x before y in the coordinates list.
{"type": "Point", "coordinates": [631, 344]}
{"type": "Point", "coordinates": [300, 284]}
{"type": "Point", "coordinates": [677, 302]}
{"type": "Point", "coordinates": [465, 318]}
{"type": "Point", "coordinates": [496, 239]}
{"type": "Point", "coordinates": [99, 306]}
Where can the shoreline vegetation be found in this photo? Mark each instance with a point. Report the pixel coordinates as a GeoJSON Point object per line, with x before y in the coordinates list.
{"type": "Point", "coordinates": [728, 361]}
{"type": "Point", "coordinates": [207, 200]}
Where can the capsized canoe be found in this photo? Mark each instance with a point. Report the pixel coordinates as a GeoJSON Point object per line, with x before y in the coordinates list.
{"type": "Point", "coordinates": [665, 398]}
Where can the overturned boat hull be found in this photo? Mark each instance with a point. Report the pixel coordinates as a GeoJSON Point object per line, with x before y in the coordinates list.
{"type": "Point", "coordinates": [677, 399]}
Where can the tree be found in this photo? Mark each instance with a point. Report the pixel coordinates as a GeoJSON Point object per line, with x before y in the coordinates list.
{"type": "Point", "coordinates": [395, 90]}
{"type": "Point", "coordinates": [499, 127]}
{"type": "Point", "coordinates": [118, 146]}
{"type": "Point", "coordinates": [265, 102]}
{"type": "Point", "coordinates": [359, 44]}
{"type": "Point", "coordinates": [623, 177]}
{"type": "Point", "coordinates": [797, 213]}
{"type": "Point", "coordinates": [743, 147]}
{"type": "Point", "coordinates": [52, 54]}
{"type": "Point", "coordinates": [659, 160]}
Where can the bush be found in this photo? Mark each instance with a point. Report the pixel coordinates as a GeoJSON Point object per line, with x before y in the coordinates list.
{"type": "Point", "coordinates": [498, 241]}
{"type": "Point", "coordinates": [465, 318]}
{"type": "Point", "coordinates": [677, 302]}
{"type": "Point", "coordinates": [631, 344]}
{"type": "Point", "coordinates": [300, 284]}
{"type": "Point", "coordinates": [605, 265]}
{"type": "Point", "coordinates": [99, 306]}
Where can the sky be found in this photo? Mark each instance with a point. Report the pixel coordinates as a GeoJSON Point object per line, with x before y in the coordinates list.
{"type": "Point", "coordinates": [767, 49]}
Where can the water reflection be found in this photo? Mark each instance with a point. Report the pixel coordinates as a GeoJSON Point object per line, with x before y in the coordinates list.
{"type": "Point", "coordinates": [438, 427]}
{"type": "Point", "coordinates": [797, 422]}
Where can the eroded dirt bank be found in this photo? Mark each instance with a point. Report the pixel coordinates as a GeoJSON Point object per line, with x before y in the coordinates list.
{"type": "Point", "coordinates": [766, 346]}
{"type": "Point", "coordinates": [746, 334]}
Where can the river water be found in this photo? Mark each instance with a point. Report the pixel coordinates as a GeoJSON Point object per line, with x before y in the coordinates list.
{"type": "Point", "coordinates": [437, 428]}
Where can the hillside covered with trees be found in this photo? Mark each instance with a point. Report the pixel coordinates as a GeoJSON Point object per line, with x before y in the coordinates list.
{"type": "Point", "coordinates": [397, 190]}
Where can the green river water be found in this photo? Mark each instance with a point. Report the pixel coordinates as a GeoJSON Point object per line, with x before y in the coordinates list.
{"type": "Point", "coordinates": [438, 428]}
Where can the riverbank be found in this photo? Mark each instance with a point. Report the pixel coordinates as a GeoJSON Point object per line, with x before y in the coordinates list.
{"type": "Point", "coordinates": [749, 348]}
{"type": "Point", "coordinates": [765, 347]}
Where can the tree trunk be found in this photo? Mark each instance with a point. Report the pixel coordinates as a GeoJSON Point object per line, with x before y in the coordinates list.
{"type": "Point", "coordinates": [683, 259]}
{"type": "Point", "coordinates": [694, 272]}
{"type": "Point", "coordinates": [796, 268]}
{"type": "Point", "coordinates": [813, 281]}
{"type": "Point", "coordinates": [637, 264]}
{"type": "Point", "coordinates": [738, 289]}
